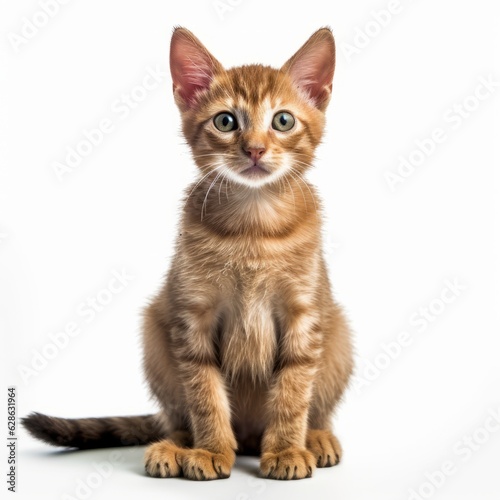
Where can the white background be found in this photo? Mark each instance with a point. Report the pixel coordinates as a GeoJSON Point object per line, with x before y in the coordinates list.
{"type": "Point", "coordinates": [390, 252]}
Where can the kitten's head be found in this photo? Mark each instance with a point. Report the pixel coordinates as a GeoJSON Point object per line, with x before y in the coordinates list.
{"type": "Point", "coordinates": [252, 124]}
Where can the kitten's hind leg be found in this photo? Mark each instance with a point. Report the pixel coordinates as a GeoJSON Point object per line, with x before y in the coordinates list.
{"type": "Point", "coordinates": [164, 458]}
{"type": "Point", "coordinates": [324, 446]}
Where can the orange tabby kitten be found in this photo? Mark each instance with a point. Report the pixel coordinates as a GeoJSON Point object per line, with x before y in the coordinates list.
{"type": "Point", "coordinates": [244, 347]}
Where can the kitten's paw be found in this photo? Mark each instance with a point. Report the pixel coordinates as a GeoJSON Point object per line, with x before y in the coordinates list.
{"type": "Point", "coordinates": [164, 459]}
{"type": "Point", "coordinates": [292, 463]}
{"type": "Point", "coordinates": [324, 446]}
{"type": "Point", "coordinates": [202, 465]}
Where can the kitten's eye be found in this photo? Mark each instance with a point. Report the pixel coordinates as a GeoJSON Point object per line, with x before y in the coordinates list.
{"type": "Point", "coordinates": [283, 121]}
{"type": "Point", "coordinates": [225, 122]}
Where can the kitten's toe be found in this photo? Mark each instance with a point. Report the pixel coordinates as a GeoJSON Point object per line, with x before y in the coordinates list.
{"type": "Point", "coordinates": [202, 465]}
{"type": "Point", "coordinates": [292, 463]}
{"type": "Point", "coordinates": [163, 459]}
{"type": "Point", "coordinates": [324, 446]}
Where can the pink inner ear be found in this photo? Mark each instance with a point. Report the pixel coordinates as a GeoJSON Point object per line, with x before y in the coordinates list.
{"type": "Point", "coordinates": [312, 69]}
{"type": "Point", "coordinates": [191, 66]}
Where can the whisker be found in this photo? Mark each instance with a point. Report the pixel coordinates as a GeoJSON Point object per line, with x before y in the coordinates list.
{"type": "Point", "coordinates": [294, 176]}
{"type": "Point", "coordinates": [221, 183]}
{"type": "Point", "coordinates": [293, 195]}
{"type": "Point", "coordinates": [208, 191]}
{"type": "Point", "coordinates": [307, 186]}
{"type": "Point", "coordinates": [199, 182]}
{"type": "Point", "coordinates": [210, 154]}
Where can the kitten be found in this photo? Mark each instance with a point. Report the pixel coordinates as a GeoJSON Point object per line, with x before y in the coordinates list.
{"type": "Point", "coordinates": [244, 347]}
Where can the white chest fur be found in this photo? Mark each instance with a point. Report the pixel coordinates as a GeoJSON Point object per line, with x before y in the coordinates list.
{"type": "Point", "coordinates": [248, 342]}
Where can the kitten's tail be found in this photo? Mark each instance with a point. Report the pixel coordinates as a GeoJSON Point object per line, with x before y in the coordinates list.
{"type": "Point", "coordinates": [86, 433]}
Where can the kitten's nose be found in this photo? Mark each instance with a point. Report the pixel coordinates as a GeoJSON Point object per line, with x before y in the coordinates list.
{"type": "Point", "coordinates": [255, 153]}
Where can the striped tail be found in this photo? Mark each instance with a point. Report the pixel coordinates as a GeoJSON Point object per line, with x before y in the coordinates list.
{"type": "Point", "coordinates": [87, 433]}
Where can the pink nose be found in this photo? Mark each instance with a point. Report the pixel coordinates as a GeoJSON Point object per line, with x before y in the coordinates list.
{"type": "Point", "coordinates": [255, 153]}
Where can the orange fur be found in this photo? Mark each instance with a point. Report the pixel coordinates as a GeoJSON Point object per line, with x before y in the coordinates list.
{"type": "Point", "coordinates": [244, 346]}
{"type": "Point", "coordinates": [245, 332]}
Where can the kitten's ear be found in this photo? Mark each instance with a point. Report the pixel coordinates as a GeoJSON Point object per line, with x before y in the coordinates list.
{"type": "Point", "coordinates": [192, 67]}
{"type": "Point", "coordinates": [312, 67]}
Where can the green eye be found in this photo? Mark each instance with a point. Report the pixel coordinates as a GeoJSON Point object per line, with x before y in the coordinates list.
{"type": "Point", "coordinates": [283, 121]}
{"type": "Point", "coordinates": [225, 122]}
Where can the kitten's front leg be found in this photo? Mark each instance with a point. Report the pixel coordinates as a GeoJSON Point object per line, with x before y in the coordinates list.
{"type": "Point", "coordinates": [213, 454]}
{"type": "Point", "coordinates": [186, 346]}
{"type": "Point", "coordinates": [284, 452]}
{"type": "Point", "coordinates": [207, 401]}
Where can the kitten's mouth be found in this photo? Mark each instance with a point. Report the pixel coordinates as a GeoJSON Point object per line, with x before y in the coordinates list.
{"type": "Point", "coordinates": [255, 170]}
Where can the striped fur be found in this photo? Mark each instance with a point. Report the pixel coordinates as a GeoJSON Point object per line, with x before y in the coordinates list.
{"type": "Point", "coordinates": [87, 433]}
